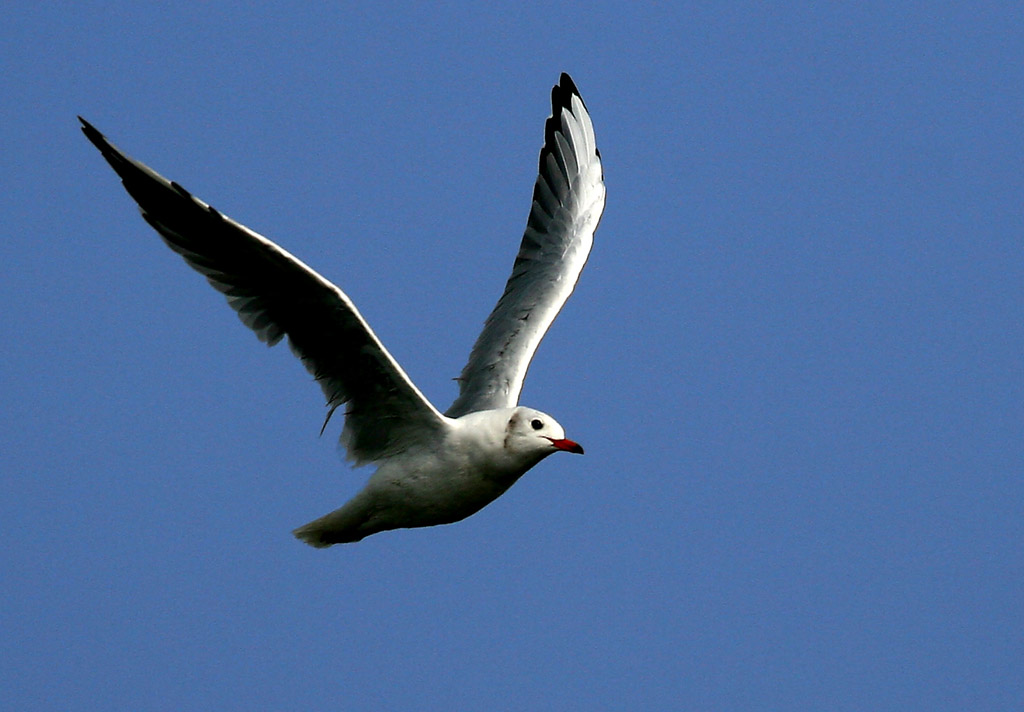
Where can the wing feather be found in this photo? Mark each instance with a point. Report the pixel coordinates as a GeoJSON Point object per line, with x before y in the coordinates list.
{"type": "Point", "coordinates": [568, 200]}
{"type": "Point", "coordinates": [276, 295]}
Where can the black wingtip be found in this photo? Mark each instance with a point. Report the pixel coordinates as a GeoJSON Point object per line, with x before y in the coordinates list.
{"type": "Point", "coordinates": [561, 99]}
{"type": "Point", "coordinates": [122, 164]}
{"type": "Point", "coordinates": [109, 151]}
{"type": "Point", "coordinates": [563, 92]}
{"type": "Point", "coordinates": [566, 82]}
{"type": "Point", "coordinates": [95, 137]}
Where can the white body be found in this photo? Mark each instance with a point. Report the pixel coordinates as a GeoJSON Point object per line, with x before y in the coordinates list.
{"type": "Point", "coordinates": [431, 468]}
{"type": "Point", "coordinates": [477, 460]}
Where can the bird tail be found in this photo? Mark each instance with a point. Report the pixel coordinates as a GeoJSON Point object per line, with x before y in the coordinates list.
{"type": "Point", "coordinates": [342, 526]}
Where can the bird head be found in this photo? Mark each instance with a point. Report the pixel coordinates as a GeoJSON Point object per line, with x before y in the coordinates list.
{"type": "Point", "coordinates": [534, 432]}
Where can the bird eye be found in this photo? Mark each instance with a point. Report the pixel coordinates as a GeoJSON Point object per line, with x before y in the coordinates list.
{"type": "Point", "coordinates": [536, 424]}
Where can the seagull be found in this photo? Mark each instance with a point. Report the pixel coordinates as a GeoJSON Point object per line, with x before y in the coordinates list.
{"type": "Point", "coordinates": [431, 468]}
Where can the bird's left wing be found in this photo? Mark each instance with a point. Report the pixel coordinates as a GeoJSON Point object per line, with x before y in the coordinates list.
{"type": "Point", "coordinates": [276, 295]}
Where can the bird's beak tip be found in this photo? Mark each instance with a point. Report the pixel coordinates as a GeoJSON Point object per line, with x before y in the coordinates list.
{"type": "Point", "coordinates": [568, 446]}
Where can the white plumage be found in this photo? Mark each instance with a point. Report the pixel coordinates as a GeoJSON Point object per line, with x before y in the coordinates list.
{"type": "Point", "coordinates": [431, 468]}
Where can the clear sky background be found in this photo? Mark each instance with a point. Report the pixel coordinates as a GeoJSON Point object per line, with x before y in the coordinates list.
{"type": "Point", "coordinates": [795, 359]}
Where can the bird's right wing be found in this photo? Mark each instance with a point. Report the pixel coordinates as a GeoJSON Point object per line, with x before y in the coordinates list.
{"type": "Point", "coordinates": [276, 295]}
{"type": "Point", "coordinates": [568, 199]}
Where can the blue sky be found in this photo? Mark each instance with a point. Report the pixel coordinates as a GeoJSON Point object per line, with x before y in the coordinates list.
{"type": "Point", "coordinates": [794, 359]}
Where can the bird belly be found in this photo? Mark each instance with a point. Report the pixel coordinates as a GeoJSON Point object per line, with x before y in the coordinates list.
{"type": "Point", "coordinates": [440, 494]}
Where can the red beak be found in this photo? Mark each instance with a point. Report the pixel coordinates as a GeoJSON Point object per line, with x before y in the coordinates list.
{"type": "Point", "coordinates": [567, 445]}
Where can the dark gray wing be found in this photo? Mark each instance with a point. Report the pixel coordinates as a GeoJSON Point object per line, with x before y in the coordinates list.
{"type": "Point", "coordinates": [568, 200]}
{"type": "Point", "coordinates": [276, 295]}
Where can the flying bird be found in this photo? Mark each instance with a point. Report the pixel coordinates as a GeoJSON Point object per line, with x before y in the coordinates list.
{"type": "Point", "coordinates": [431, 467]}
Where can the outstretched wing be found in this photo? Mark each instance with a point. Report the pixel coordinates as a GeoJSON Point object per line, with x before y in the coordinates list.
{"type": "Point", "coordinates": [568, 200]}
{"type": "Point", "coordinates": [276, 295]}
